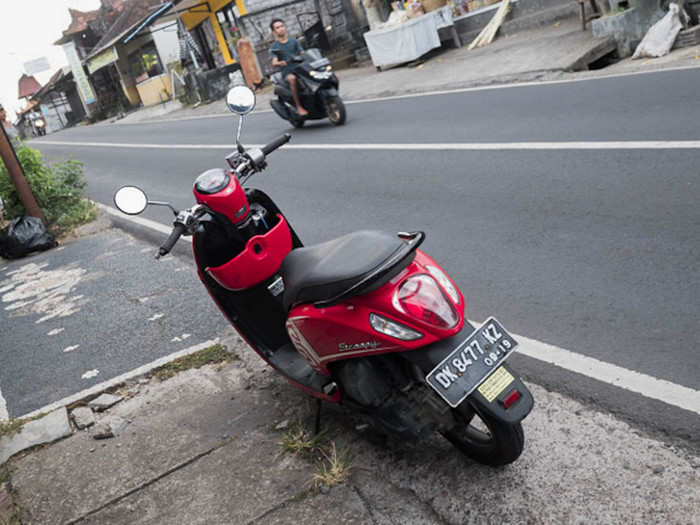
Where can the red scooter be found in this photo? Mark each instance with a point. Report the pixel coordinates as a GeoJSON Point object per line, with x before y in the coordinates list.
{"type": "Point", "coordinates": [366, 320]}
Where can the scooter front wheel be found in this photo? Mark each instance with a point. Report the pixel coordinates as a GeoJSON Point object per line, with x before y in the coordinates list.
{"type": "Point", "coordinates": [484, 438]}
{"type": "Point", "coordinates": [336, 111]}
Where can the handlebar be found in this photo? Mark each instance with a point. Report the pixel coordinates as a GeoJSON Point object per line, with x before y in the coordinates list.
{"type": "Point", "coordinates": [279, 141]}
{"type": "Point", "coordinates": [178, 230]}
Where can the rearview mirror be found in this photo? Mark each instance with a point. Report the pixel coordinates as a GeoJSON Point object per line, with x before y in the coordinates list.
{"type": "Point", "coordinates": [240, 100]}
{"type": "Point", "coordinates": [130, 200]}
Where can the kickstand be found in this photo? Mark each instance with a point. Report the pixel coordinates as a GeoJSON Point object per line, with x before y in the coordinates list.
{"type": "Point", "coordinates": [317, 425]}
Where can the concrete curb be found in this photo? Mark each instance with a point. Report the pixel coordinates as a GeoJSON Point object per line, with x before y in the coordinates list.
{"type": "Point", "coordinates": [8, 449]}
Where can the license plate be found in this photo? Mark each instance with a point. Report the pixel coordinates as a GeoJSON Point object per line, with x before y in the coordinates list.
{"type": "Point", "coordinates": [472, 362]}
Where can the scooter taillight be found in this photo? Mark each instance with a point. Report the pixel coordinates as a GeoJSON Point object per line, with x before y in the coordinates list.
{"type": "Point", "coordinates": [420, 297]}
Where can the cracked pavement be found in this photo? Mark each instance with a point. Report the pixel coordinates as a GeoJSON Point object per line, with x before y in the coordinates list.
{"type": "Point", "coordinates": [202, 448]}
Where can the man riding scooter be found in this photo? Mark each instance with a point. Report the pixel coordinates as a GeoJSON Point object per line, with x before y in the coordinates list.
{"type": "Point", "coordinates": [306, 88]}
{"type": "Point", "coordinates": [283, 51]}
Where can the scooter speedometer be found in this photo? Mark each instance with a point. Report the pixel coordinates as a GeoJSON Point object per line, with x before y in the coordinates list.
{"type": "Point", "coordinates": [212, 181]}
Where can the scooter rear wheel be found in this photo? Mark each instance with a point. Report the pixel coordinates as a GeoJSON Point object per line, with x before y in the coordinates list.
{"type": "Point", "coordinates": [485, 439]}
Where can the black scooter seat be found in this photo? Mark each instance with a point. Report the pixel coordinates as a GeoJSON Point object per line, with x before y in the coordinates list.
{"type": "Point", "coordinates": [355, 263]}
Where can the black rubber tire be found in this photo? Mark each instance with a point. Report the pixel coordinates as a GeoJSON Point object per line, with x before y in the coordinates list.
{"type": "Point", "coordinates": [502, 445]}
{"type": "Point", "coordinates": [336, 111]}
{"type": "Point", "coordinates": [298, 122]}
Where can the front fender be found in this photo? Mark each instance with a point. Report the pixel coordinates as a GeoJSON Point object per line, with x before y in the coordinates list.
{"type": "Point", "coordinates": [428, 357]}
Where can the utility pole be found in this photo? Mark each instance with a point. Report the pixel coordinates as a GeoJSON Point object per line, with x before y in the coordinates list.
{"type": "Point", "coordinates": [9, 158]}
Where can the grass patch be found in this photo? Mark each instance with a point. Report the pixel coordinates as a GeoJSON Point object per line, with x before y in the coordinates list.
{"type": "Point", "coordinates": [13, 426]}
{"type": "Point", "coordinates": [8, 428]}
{"type": "Point", "coordinates": [212, 354]}
{"type": "Point", "coordinates": [5, 474]}
{"type": "Point", "coordinates": [300, 441]}
{"type": "Point", "coordinates": [334, 468]}
{"type": "Point", "coordinates": [11, 517]}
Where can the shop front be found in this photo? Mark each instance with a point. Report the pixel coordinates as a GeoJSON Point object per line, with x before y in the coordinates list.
{"type": "Point", "coordinates": [214, 24]}
{"type": "Point", "coordinates": [213, 28]}
{"type": "Point", "coordinates": [150, 78]}
{"type": "Point", "coordinates": [115, 93]}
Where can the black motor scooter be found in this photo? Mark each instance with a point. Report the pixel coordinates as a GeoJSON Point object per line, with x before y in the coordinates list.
{"type": "Point", "coordinates": [318, 91]}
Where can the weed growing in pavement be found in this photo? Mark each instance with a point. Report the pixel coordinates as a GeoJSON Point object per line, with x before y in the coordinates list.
{"type": "Point", "coordinates": [5, 474]}
{"type": "Point", "coordinates": [13, 426]}
{"type": "Point", "coordinates": [334, 468]}
{"type": "Point", "coordinates": [212, 354]}
{"type": "Point", "coordinates": [9, 514]}
{"type": "Point", "coordinates": [12, 519]}
{"type": "Point", "coordinates": [300, 441]}
{"type": "Point", "coordinates": [57, 188]}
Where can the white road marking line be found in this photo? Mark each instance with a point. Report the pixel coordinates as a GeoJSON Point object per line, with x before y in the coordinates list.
{"type": "Point", "coordinates": [90, 374]}
{"type": "Point", "coordinates": [106, 385]}
{"type": "Point", "coordinates": [648, 386]}
{"type": "Point", "coordinates": [70, 348]}
{"type": "Point", "coordinates": [533, 83]}
{"type": "Point", "coordinates": [452, 146]}
{"type": "Point", "coordinates": [438, 92]}
{"type": "Point", "coordinates": [4, 415]}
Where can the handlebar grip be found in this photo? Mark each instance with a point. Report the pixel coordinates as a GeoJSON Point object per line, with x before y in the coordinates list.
{"type": "Point", "coordinates": [279, 141]}
{"type": "Point", "coordinates": [178, 230]}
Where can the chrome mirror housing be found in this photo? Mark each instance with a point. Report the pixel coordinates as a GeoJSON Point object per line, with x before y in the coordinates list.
{"type": "Point", "coordinates": [240, 100]}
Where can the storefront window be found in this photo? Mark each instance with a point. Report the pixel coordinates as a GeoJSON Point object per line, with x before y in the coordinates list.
{"type": "Point", "coordinates": [145, 63]}
{"type": "Point", "coordinates": [228, 21]}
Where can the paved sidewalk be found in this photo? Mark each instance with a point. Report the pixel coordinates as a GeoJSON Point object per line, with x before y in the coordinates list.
{"type": "Point", "coordinates": [547, 53]}
{"type": "Point", "coordinates": [202, 447]}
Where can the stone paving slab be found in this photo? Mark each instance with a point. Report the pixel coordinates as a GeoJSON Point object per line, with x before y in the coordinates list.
{"type": "Point", "coordinates": [48, 429]}
{"type": "Point", "coordinates": [202, 448]}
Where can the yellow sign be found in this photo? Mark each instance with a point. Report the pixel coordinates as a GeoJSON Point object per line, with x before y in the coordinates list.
{"type": "Point", "coordinates": [103, 59]}
{"type": "Point", "coordinates": [495, 384]}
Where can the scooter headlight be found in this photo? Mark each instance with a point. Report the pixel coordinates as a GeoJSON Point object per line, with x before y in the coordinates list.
{"type": "Point", "coordinates": [320, 75]}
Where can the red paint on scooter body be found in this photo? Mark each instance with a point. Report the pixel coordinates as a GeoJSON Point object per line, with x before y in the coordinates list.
{"type": "Point", "coordinates": [230, 200]}
{"type": "Point", "coordinates": [324, 335]}
{"type": "Point", "coordinates": [260, 259]}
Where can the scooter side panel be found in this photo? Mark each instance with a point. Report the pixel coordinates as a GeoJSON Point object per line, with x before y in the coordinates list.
{"type": "Point", "coordinates": [324, 335]}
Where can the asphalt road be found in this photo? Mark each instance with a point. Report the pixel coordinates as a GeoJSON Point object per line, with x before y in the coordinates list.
{"type": "Point", "coordinates": [90, 311]}
{"type": "Point", "coordinates": [595, 251]}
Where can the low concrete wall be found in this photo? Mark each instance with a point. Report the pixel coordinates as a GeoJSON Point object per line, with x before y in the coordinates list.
{"type": "Point", "coordinates": [214, 84]}
{"type": "Point", "coordinates": [628, 28]}
{"type": "Point", "coordinates": [524, 14]}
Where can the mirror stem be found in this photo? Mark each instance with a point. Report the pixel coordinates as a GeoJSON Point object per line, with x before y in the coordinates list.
{"type": "Point", "coordinates": [240, 126]}
{"type": "Point", "coordinates": [158, 203]}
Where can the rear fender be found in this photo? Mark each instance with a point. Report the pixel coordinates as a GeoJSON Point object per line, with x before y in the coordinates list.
{"type": "Point", "coordinates": [428, 357]}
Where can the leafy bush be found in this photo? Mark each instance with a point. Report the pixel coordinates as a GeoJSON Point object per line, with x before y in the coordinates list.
{"type": "Point", "coordinates": [58, 190]}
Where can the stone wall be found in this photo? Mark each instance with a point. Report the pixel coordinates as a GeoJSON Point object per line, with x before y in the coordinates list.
{"type": "Point", "coordinates": [336, 15]}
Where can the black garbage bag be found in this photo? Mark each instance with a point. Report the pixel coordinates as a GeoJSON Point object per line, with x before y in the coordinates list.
{"type": "Point", "coordinates": [23, 236]}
